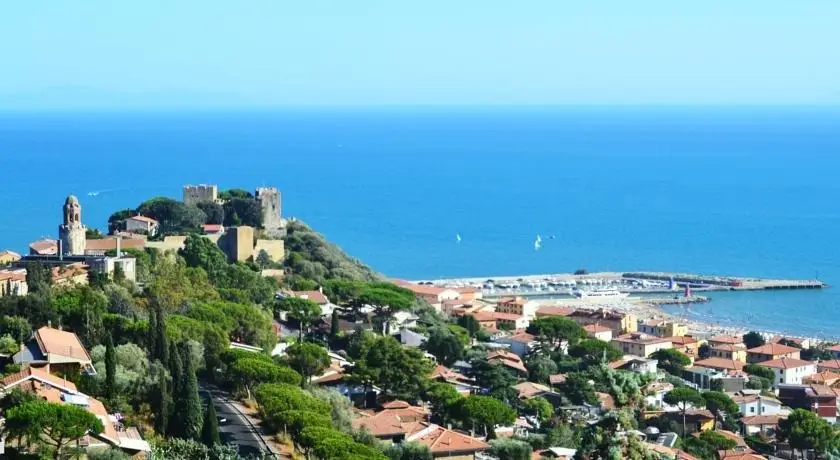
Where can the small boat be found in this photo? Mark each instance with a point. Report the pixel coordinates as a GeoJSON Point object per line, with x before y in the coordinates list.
{"type": "Point", "coordinates": [458, 237]}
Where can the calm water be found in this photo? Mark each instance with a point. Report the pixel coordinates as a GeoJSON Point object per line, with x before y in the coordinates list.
{"type": "Point", "coordinates": [736, 191]}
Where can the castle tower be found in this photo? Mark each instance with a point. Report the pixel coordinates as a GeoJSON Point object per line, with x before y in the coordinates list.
{"type": "Point", "coordinates": [72, 232]}
{"type": "Point", "coordinates": [269, 199]}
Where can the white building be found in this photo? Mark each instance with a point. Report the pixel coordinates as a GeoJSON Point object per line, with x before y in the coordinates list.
{"type": "Point", "coordinates": [141, 224]}
{"type": "Point", "coordinates": [599, 332]}
{"type": "Point", "coordinates": [752, 402]}
{"type": "Point", "coordinates": [790, 371]}
{"type": "Point", "coordinates": [521, 343]}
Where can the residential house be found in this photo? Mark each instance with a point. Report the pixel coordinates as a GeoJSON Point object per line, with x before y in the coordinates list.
{"type": "Point", "coordinates": [55, 351]}
{"type": "Point", "coordinates": [463, 384]}
{"type": "Point", "coordinates": [639, 344]}
{"type": "Point", "coordinates": [753, 402]}
{"type": "Point", "coordinates": [636, 364]}
{"type": "Point", "coordinates": [13, 283]}
{"type": "Point", "coordinates": [818, 399]}
{"type": "Point", "coordinates": [486, 319]}
{"type": "Point", "coordinates": [826, 378]}
{"type": "Point", "coordinates": [719, 340]}
{"type": "Point", "coordinates": [686, 345]}
{"type": "Point", "coordinates": [410, 338]}
{"type": "Point", "coordinates": [213, 229]}
{"type": "Point", "coordinates": [721, 364]}
{"type": "Point", "coordinates": [662, 328]}
{"type": "Point", "coordinates": [402, 319]}
{"type": "Point", "coordinates": [55, 389]}
{"type": "Point", "coordinates": [510, 360]}
{"type": "Point", "coordinates": [695, 420]}
{"type": "Point", "coordinates": [771, 351]}
{"type": "Point", "coordinates": [834, 350]}
{"type": "Point", "coordinates": [790, 370]}
{"type": "Point", "coordinates": [468, 294]}
{"type": "Point", "coordinates": [432, 294]}
{"type": "Point", "coordinates": [832, 365]}
{"type": "Point", "coordinates": [511, 321]}
{"type": "Point", "coordinates": [728, 380]}
{"type": "Point", "coordinates": [620, 322]}
{"type": "Point", "coordinates": [797, 342]}
{"type": "Point", "coordinates": [318, 297]}
{"type": "Point", "coordinates": [69, 275]}
{"type": "Point", "coordinates": [740, 444]}
{"type": "Point", "coordinates": [655, 395]}
{"type": "Point", "coordinates": [142, 225]}
{"type": "Point", "coordinates": [521, 343]}
{"type": "Point", "coordinates": [761, 425]}
{"type": "Point", "coordinates": [556, 453]}
{"type": "Point", "coordinates": [531, 390]}
{"type": "Point", "coordinates": [44, 247]}
{"type": "Point", "coordinates": [7, 257]}
{"type": "Point", "coordinates": [736, 352]}
{"type": "Point", "coordinates": [599, 332]}
{"type": "Point", "coordinates": [517, 306]}
{"type": "Point", "coordinates": [398, 422]}
{"type": "Point", "coordinates": [543, 312]}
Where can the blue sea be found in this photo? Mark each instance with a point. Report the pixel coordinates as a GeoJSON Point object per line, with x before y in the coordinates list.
{"type": "Point", "coordinates": [742, 191]}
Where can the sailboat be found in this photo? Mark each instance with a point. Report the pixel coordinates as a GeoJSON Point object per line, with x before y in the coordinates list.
{"type": "Point", "coordinates": [537, 243]}
{"type": "Point", "coordinates": [458, 237]}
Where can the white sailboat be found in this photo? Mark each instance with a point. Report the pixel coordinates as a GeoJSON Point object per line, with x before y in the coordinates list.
{"type": "Point", "coordinates": [537, 243]}
{"type": "Point", "coordinates": [458, 237]}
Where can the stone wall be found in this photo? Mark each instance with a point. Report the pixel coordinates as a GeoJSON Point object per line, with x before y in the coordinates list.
{"type": "Point", "coordinates": [194, 194]}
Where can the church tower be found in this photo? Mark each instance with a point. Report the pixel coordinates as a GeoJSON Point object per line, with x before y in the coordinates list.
{"type": "Point", "coordinates": [72, 233]}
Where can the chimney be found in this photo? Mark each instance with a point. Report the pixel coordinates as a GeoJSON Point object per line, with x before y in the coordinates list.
{"type": "Point", "coordinates": [49, 323]}
{"type": "Point", "coordinates": [321, 289]}
{"type": "Point", "coordinates": [119, 246]}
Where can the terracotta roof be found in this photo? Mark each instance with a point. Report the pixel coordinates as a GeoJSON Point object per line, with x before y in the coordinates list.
{"type": "Point", "coordinates": [779, 338]}
{"type": "Point", "coordinates": [441, 371]}
{"type": "Point", "coordinates": [596, 328]}
{"type": "Point", "coordinates": [822, 377]}
{"type": "Point", "coordinates": [514, 301]}
{"type": "Point", "coordinates": [731, 339]}
{"type": "Point", "coordinates": [682, 339]}
{"type": "Point", "coordinates": [68, 271]}
{"type": "Point", "coordinates": [829, 364]}
{"type": "Point", "coordinates": [773, 349]}
{"type": "Point", "coordinates": [834, 348]}
{"type": "Point", "coordinates": [396, 404]}
{"type": "Point", "coordinates": [555, 311]}
{"type": "Point", "coordinates": [11, 254]}
{"type": "Point", "coordinates": [145, 219]}
{"type": "Point", "coordinates": [522, 337]}
{"type": "Point", "coordinates": [786, 363]}
{"type": "Point", "coordinates": [762, 420]}
{"type": "Point", "coordinates": [528, 390]}
{"type": "Point", "coordinates": [212, 228]}
{"type": "Point", "coordinates": [315, 296]}
{"type": "Point", "coordinates": [607, 401]}
{"type": "Point", "coordinates": [108, 244]}
{"type": "Point", "coordinates": [392, 422]}
{"type": "Point", "coordinates": [556, 379]}
{"type": "Point", "coordinates": [729, 347]}
{"type": "Point", "coordinates": [730, 435]}
{"type": "Point", "coordinates": [419, 289]}
{"type": "Point", "coordinates": [637, 337]}
{"type": "Point", "coordinates": [508, 359]}
{"type": "Point", "coordinates": [44, 247]}
{"type": "Point", "coordinates": [31, 373]}
{"type": "Point", "coordinates": [62, 343]}
{"type": "Point", "coordinates": [483, 315]}
{"type": "Point", "coordinates": [505, 316]}
{"type": "Point", "coordinates": [720, 363]}
{"type": "Point", "coordinates": [333, 377]}
{"type": "Point", "coordinates": [440, 440]}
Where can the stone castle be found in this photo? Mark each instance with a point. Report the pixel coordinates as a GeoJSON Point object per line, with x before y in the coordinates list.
{"type": "Point", "coordinates": [269, 199]}
{"type": "Point", "coordinates": [71, 233]}
{"type": "Point", "coordinates": [194, 194]}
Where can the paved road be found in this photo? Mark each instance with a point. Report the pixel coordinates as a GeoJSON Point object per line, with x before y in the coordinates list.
{"type": "Point", "coordinates": [237, 430]}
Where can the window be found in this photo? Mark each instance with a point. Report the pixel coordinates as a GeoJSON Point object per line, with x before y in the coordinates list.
{"type": "Point", "coordinates": [752, 409]}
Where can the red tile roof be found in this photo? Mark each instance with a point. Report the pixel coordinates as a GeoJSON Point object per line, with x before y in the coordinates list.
{"type": "Point", "coordinates": [315, 296]}
{"type": "Point", "coordinates": [32, 373]}
{"type": "Point", "coordinates": [528, 390]}
{"type": "Point", "coordinates": [522, 337]}
{"type": "Point", "coordinates": [731, 339]}
{"type": "Point", "coordinates": [145, 219]}
{"type": "Point", "coordinates": [442, 441]}
{"type": "Point", "coordinates": [786, 363]}
{"type": "Point", "coordinates": [554, 311]}
{"type": "Point", "coordinates": [829, 364]}
{"type": "Point", "coordinates": [556, 379]}
{"type": "Point", "coordinates": [762, 420]}
{"type": "Point", "coordinates": [596, 328]}
{"type": "Point", "coordinates": [62, 343]}
{"type": "Point", "coordinates": [44, 247]}
{"type": "Point", "coordinates": [720, 363]}
{"type": "Point", "coordinates": [212, 228]}
{"type": "Point", "coordinates": [773, 349]}
{"type": "Point", "coordinates": [108, 244]}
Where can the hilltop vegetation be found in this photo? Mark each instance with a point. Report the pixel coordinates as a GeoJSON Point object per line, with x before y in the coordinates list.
{"type": "Point", "coordinates": [310, 256]}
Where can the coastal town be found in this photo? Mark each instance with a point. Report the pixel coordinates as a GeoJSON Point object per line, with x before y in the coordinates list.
{"type": "Point", "coordinates": [213, 327]}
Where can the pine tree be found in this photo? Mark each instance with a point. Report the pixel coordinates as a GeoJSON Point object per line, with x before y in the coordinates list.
{"type": "Point", "coordinates": [162, 403]}
{"type": "Point", "coordinates": [176, 370]}
{"type": "Point", "coordinates": [190, 413]}
{"type": "Point", "coordinates": [334, 328]}
{"type": "Point", "coordinates": [210, 428]}
{"type": "Point", "coordinates": [110, 369]}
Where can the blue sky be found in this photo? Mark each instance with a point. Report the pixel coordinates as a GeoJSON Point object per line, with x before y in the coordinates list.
{"type": "Point", "coordinates": [58, 54]}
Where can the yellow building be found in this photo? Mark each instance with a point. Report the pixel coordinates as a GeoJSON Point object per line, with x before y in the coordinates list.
{"type": "Point", "coordinates": [662, 328]}
{"type": "Point", "coordinates": [728, 351]}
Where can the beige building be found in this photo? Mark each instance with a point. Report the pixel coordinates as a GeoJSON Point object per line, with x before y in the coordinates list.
{"type": "Point", "coordinates": [13, 282]}
{"type": "Point", "coordinates": [639, 344]}
{"type": "Point", "coordinates": [55, 351]}
{"type": "Point", "coordinates": [737, 352]}
{"type": "Point", "coordinates": [662, 328]}
{"type": "Point", "coordinates": [599, 332]}
{"type": "Point", "coordinates": [619, 322]}
{"type": "Point", "coordinates": [517, 306]}
{"type": "Point", "coordinates": [238, 243]}
{"type": "Point", "coordinates": [7, 257]}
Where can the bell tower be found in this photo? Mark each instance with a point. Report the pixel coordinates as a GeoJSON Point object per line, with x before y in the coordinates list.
{"type": "Point", "coordinates": [71, 232]}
